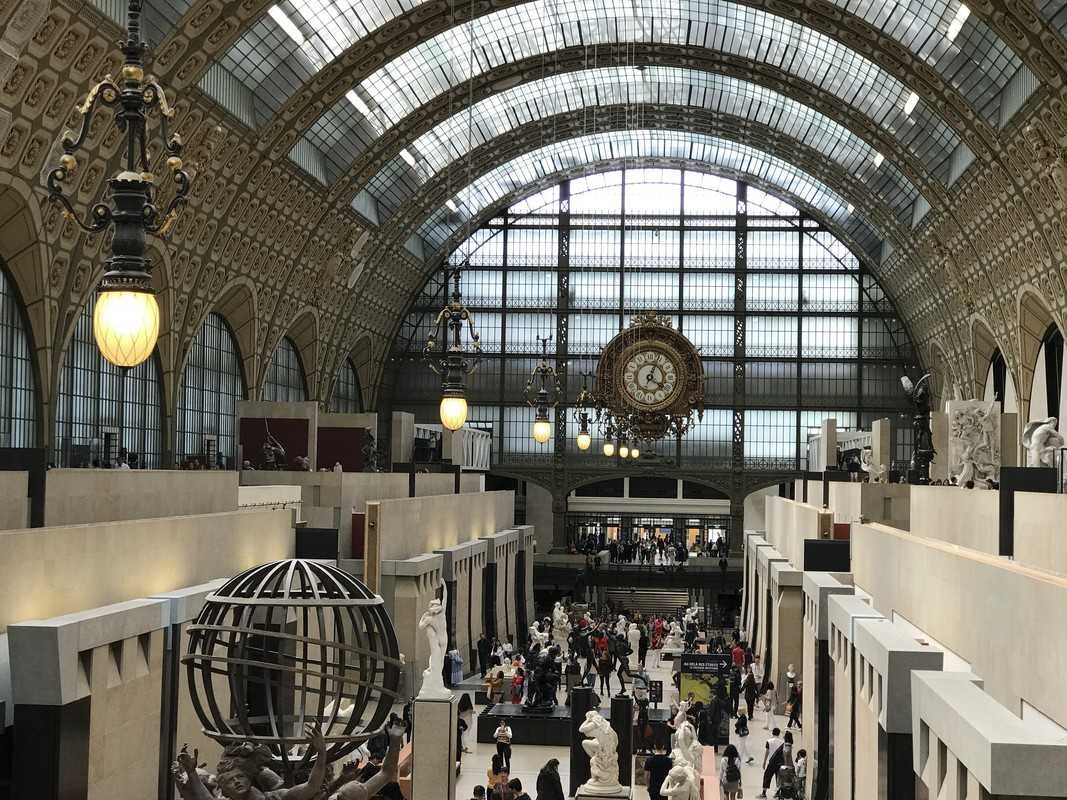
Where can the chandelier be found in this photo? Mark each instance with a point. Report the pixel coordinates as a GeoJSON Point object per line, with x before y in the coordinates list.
{"type": "Point", "coordinates": [544, 375]}
{"type": "Point", "coordinates": [126, 316]}
{"type": "Point", "coordinates": [446, 355]}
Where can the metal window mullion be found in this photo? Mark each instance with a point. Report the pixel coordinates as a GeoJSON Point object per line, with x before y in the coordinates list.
{"type": "Point", "coordinates": [503, 331]}
{"type": "Point", "coordinates": [563, 266]}
{"type": "Point", "coordinates": [800, 340]}
{"type": "Point", "coordinates": [740, 293]}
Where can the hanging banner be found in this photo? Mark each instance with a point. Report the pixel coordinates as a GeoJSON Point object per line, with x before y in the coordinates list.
{"type": "Point", "coordinates": [705, 679]}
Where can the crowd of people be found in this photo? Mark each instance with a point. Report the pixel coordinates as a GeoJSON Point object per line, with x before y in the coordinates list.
{"type": "Point", "coordinates": [649, 551]}
{"type": "Point", "coordinates": [608, 652]}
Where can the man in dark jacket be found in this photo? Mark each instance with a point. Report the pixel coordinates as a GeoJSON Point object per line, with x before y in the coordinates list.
{"type": "Point", "coordinates": [483, 654]}
{"type": "Point", "coordinates": [549, 785]}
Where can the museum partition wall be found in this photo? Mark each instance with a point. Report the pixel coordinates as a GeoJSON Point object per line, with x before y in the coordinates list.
{"type": "Point", "coordinates": [95, 606]}
{"type": "Point", "coordinates": [929, 664]}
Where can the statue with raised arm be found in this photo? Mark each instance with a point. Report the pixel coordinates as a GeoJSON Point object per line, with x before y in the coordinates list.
{"type": "Point", "coordinates": [1042, 441]}
{"type": "Point", "coordinates": [343, 789]}
{"type": "Point", "coordinates": [561, 626]}
{"type": "Point", "coordinates": [923, 438]}
{"type": "Point", "coordinates": [436, 626]}
{"type": "Point", "coordinates": [242, 774]}
{"type": "Point", "coordinates": [602, 748]}
{"type": "Point", "coordinates": [682, 783]}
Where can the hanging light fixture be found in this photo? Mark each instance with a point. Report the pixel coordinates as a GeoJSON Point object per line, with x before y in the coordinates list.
{"type": "Point", "coordinates": [540, 400]}
{"type": "Point", "coordinates": [446, 355]}
{"type": "Point", "coordinates": [624, 448]}
{"type": "Point", "coordinates": [635, 452]}
{"type": "Point", "coordinates": [583, 402]}
{"type": "Point", "coordinates": [126, 316]}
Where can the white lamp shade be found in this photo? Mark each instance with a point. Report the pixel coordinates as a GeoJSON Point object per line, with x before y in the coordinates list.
{"type": "Point", "coordinates": [126, 326]}
{"type": "Point", "coordinates": [609, 449]}
{"type": "Point", "coordinates": [584, 440]}
{"type": "Point", "coordinates": [453, 412]}
{"type": "Point", "coordinates": [542, 431]}
{"type": "Point", "coordinates": [624, 451]}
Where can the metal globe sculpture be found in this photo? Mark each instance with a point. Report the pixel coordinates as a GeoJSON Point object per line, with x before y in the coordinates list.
{"type": "Point", "coordinates": [289, 643]}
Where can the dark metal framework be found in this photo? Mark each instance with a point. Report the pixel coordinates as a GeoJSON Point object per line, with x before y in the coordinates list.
{"type": "Point", "coordinates": [101, 408]}
{"type": "Point", "coordinates": [791, 325]}
{"type": "Point", "coordinates": [638, 525]}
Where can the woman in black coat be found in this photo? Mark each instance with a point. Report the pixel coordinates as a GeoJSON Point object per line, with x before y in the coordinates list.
{"type": "Point", "coordinates": [751, 691]}
{"type": "Point", "coordinates": [549, 785]}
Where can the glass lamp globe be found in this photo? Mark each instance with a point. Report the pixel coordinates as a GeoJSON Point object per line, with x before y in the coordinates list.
{"type": "Point", "coordinates": [542, 431]}
{"type": "Point", "coordinates": [584, 440]}
{"type": "Point", "coordinates": [635, 453]}
{"type": "Point", "coordinates": [126, 326]}
{"type": "Point", "coordinates": [609, 449]}
{"type": "Point", "coordinates": [624, 451]}
{"type": "Point", "coordinates": [453, 412]}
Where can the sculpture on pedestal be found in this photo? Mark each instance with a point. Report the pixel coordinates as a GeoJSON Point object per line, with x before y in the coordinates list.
{"type": "Point", "coordinates": [674, 640]}
{"type": "Point", "coordinates": [561, 627]}
{"type": "Point", "coordinates": [690, 616]}
{"type": "Point", "coordinates": [544, 678]}
{"type": "Point", "coordinates": [682, 783]}
{"type": "Point", "coordinates": [974, 443]}
{"type": "Point", "coordinates": [633, 639]}
{"type": "Point", "coordinates": [602, 748]}
{"type": "Point", "coordinates": [923, 438]}
{"type": "Point", "coordinates": [620, 625]}
{"type": "Point", "coordinates": [538, 637]}
{"type": "Point", "coordinates": [436, 626]}
{"type": "Point", "coordinates": [1042, 441]}
{"type": "Point", "coordinates": [684, 740]}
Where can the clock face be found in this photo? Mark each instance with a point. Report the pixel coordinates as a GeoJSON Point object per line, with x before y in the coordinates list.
{"type": "Point", "coordinates": [650, 378]}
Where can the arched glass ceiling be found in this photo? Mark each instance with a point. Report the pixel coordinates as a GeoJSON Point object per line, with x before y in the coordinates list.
{"type": "Point", "coordinates": [285, 48]}
{"type": "Point", "coordinates": [489, 188]}
{"type": "Point", "coordinates": [416, 76]}
{"type": "Point", "coordinates": [495, 116]}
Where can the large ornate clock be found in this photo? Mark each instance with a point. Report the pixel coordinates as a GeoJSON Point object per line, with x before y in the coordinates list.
{"type": "Point", "coordinates": [650, 378]}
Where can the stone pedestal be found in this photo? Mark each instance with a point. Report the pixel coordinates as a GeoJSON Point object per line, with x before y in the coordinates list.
{"type": "Point", "coordinates": [828, 443]}
{"type": "Point", "coordinates": [939, 431]}
{"type": "Point", "coordinates": [626, 794]}
{"type": "Point", "coordinates": [433, 751]}
{"type": "Point", "coordinates": [882, 445]}
{"type": "Point", "coordinates": [581, 701]}
{"type": "Point", "coordinates": [622, 715]}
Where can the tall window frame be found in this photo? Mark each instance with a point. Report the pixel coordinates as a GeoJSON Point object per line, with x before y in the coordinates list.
{"type": "Point", "coordinates": [347, 396]}
{"type": "Point", "coordinates": [285, 380]}
{"type": "Point", "coordinates": [823, 337]}
{"type": "Point", "coordinates": [212, 381]}
{"type": "Point", "coordinates": [19, 395]}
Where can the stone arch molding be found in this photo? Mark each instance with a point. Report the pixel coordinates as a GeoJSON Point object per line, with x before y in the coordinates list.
{"type": "Point", "coordinates": [1035, 317]}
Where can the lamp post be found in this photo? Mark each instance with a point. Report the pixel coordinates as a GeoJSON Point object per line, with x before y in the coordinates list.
{"type": "Point", "coordinates": [446, 355]}
{"type": "Point", "coordinates": [583, 402]}
{"type": "Point", "coordinates": [126, 317]}
{"type": "Point", "coordinates": [541, 401]}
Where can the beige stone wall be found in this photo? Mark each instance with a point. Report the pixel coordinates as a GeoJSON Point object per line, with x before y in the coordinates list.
{"type": "Point", "coordinates": [461, 604]}
{"type": "Point", "coordinates": [976, 605]}
{"type": "Point", "coordinates": [46, 572]}
{"type": "Point", "coordinates": [888, 503]}
{"type": "Point", "coordinates": [423, 524]}
{"type": "Point", "coordinates": [807, 672]}
{"type": "Point", "coordinates": [14, 504]}
{"type": "Point", "coordinates": [965, 517]}
{"type": "Point", "coordinates": [867, 735]}
{"type": "Point", "coordinates": [786, 637]}
{"type": "Point", "coordinates": [478, 563]}
{"type": "Point", "coordinates": [79, 496]}
{"type": "Point", "coordinates": [842, 742]}
{"type": "Point", "coordinates": [539, 514]}
{"type": "Point", "coordinates": [790, 522]}
{"type": "Point", "coordinates": [126, 686]}
{"type": "Point", "coordinates": [429, 484]}
{"type": "Point", "coordinates": [1040, 522]}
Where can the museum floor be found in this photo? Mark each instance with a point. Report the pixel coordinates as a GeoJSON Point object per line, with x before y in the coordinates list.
{"type": "Point", "coordinates": [527, 760]}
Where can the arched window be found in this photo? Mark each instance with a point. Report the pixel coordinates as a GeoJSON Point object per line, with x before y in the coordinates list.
{"type": "Point", "coordinates": [18, 394]}
{"type": "Point", "coordinates": [285, 381]}
{"type": "Point", "coordinates": [106, 414]}
{"type": "Point", "coordinates": [347, 394]}
{"type": "Point", "coordinates": [1047, 390]}
{"type": "Point", "coordinates": [999, 385]}
{"type": "Point", "coordinates": [212, 383]}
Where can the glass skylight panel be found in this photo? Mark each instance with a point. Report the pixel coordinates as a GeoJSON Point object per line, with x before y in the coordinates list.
{"type": "Point", "coordinates": [509, 35]}
{"type": "Point", "coordinates": [448, 141]}
{"type": "Point", "coordinates": [490, 188]}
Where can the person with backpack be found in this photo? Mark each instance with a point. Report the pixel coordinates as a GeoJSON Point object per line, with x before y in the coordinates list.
{"type": "Point", "coordinates": [772, 759]}
{"type": "Point", "coordinates": [741, 729]}
{"type": "Point", "coordinates": [801, 768]}
{"type": "Point", "coordinates": [730, 773]}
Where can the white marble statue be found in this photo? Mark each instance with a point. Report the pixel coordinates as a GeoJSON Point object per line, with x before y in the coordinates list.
{"type": "Point", "coordinates": [684, 739]}
{"type": "Point", "coordinates": [691, 615]}
{"type": "Point", "coordinates": [602, 748]}
{"type": "Point", "coordinates": [974, 443]}
{"type": "Point", "coordinates": [674, 640]}
{"type": "Point", "coordinates": [436, 627]}
{"type": "Point", "coordinates": [1042, 440]}
{"type": "Point", "coordinates": [633, 638]}
{"type": "Point", "coordinates": [561, 627]}
{"type": "Point", "coordinates": [620, 626]}
{"type": "Point", "coordinates": [537, 636]}
{"type": "Point", "coordinates": [682, 783]}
